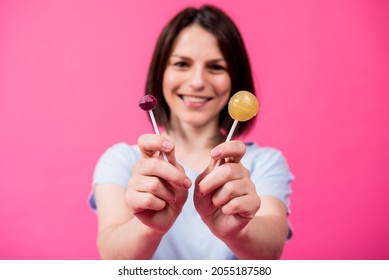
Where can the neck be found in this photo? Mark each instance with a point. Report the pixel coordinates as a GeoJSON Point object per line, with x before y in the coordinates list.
{"type": "Point", "coordinates": [194, 144]}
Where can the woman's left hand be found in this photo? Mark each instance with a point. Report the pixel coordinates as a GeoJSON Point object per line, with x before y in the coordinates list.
{"type": "Point", "coordinates": [224, 196]}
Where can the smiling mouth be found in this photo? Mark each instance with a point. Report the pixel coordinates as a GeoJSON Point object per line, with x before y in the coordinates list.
{"type": "Point", "coordinates": [194, 99]}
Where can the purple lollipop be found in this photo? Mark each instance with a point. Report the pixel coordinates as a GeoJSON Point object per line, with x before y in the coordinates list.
{"type": "Point", "coordinates": [148, 103]}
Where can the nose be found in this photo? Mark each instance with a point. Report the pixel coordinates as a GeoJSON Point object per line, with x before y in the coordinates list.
{"type": "Point", "coordinates": [197, 78]}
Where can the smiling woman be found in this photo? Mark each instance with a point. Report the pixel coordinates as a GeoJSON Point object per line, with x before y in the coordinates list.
{"type": "Point", "coordinates": [236, 210]}
{"type": "Point", "coordinates": [71, 73]}
{"type": "Point", "coordinates": [230, 56]}
{"type": "Point", "coordinates": [196, 84]}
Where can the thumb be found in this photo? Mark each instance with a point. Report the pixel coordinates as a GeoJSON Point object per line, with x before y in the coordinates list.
{"type": "Point", "coordinates": [202, 175]}
{"type": "Point", "coordinates": [205, 172]}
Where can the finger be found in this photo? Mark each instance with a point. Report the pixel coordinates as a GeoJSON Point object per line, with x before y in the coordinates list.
{"type": "Point", "coordinates": [220, 176]}
{"type": "Point", "coordinates": [231, 151]}
{"type": "Point", "coordinates": [164, 170]}
{"type": "Point", "coordinates": [141, 201]}
{"type": "Point", "coordinates": [245, 206]}
{"type": "Point", "coordinates": [154, 186]}
{"type": "Point", "coordinates": [151, 145]}
{"type": "Point", "coordinates": [205, 172]}
{"type": "Point", "coordinates": [229, 191]}
{"type": "Point", "coordinates": [201, 177]}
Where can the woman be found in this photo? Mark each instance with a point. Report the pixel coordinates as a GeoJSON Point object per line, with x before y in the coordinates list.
{"type": "Point", "coordinates": [185, 208]}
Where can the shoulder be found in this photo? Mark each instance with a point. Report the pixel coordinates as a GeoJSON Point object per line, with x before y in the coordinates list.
{"type": "Point", "coordinates": [115, 165]}
{"type": "Point", "coordinates": [255, 154]}
{"type": "Point", "coordinates": [120, 155]}
{"type": "Point", "coordinates": [269, 171]}
{"type": "Point", "coordinates": [266, 162]}
{"type": "Point", "coordinates": [122, 150]}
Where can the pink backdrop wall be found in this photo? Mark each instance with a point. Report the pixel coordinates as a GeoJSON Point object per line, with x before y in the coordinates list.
{"type": "Point", "coordinates": [71, 73]}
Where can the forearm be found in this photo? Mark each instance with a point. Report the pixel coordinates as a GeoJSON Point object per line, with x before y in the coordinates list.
{"type": "Point", "coordinates": [131, 240]}
{"type": "Point", "coordinates": [263, 238]}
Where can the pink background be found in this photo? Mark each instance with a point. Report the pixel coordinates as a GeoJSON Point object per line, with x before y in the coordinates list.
{"type": "Point", "coordinates": [71, 73]}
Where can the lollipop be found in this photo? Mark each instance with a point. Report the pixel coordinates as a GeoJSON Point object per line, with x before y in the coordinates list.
{"type": "Point", "coordinates": [242, 106]}
{"type": "Point", "coordinates": [148, 103]}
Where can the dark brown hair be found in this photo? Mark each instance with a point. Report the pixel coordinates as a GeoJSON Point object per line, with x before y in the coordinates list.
{"type": "Point", "coordinates": [231, 45]}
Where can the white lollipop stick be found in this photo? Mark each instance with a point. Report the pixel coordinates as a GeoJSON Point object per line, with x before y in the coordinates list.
{"type": "Point", "coordinates": [229, 136]}
{"type": "Point", "coordinates": [148, 103]}
{"type": "Point", "coordinates": [242, 106]}
{"type": "Point", "coordinates": [156, 130]}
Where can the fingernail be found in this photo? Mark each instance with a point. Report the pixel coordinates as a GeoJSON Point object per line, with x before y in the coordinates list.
{"type": "Point", "coordinates": [167, 145]}
{"type": "Point", "coordinates": [199, 193]}
{"type": "Point", "coordinates": [187, 183]}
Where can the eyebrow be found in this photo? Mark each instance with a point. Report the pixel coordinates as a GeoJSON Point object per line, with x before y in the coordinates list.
{"type": "Point", "coordinates": [188, 58]}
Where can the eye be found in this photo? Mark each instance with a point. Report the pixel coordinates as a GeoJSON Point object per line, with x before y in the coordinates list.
{"type": "Point", "coordinates": [181, 64]}
{"type": "Point", "coordinates": [217, 68]}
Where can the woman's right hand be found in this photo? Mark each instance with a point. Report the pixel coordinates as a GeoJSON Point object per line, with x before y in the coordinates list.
{"type": "Point", "coordinates": [157, 189]}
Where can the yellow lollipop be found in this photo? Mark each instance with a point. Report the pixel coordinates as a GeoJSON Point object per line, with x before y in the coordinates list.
{"type": "Point", "coordinates": [242, 106]}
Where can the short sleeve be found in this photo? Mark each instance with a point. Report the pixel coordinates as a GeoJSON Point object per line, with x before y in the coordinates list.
{"type": "Point", "coordinates": [270, 173]}
{"type": "Point", "coordinates": [114, 167]}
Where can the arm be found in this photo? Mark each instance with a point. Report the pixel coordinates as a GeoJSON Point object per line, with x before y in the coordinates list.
{"type": "Point", "coordinates": [226, 199]}
{"type": "Point", "coordinates": [265, 235]}
{"type": "Point", "coordinates": [132, 221]}
{"type": "Point", "coordinates": [120, 234]}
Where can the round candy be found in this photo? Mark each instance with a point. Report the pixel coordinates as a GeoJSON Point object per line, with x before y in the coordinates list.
{"type": "Point", "coordinates": [242, 106]}
{"type": "Point", "coordinates": [147, 102]}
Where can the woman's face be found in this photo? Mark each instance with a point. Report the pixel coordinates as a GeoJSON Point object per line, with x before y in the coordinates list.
{"type": "Point", "coordinates": [196, 83]}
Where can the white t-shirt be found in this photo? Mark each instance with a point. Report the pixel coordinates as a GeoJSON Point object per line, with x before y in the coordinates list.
{"type": "Point", "coordinates": [189, 237]}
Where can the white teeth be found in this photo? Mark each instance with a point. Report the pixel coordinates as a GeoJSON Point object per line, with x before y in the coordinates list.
{"type": "Point", "coordinates": [194, 99]}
